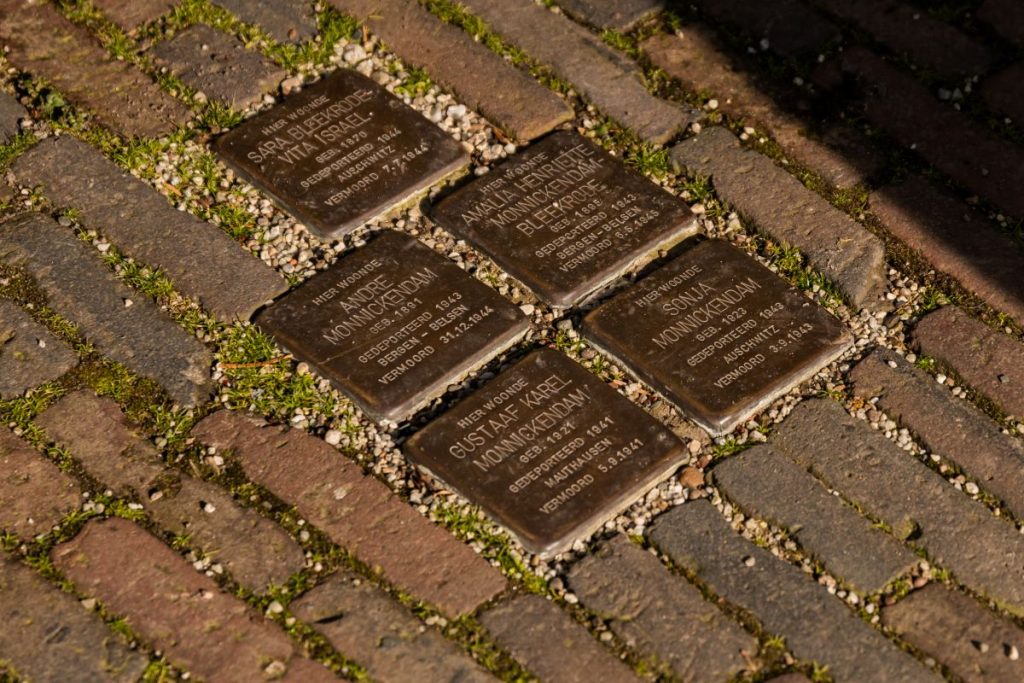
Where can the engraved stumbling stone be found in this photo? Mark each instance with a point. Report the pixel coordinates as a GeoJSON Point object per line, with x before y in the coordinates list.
{"type": "Point", "coordinates": [547, 449]}
{"type": "Point", "coordinates": [341, 152]}
{"type": "Point", "coordinates": [566, 218]}
{"type": "Point", "coordinates": [718, 334]}
{"type": "Point", "coordinates": [393, 323]}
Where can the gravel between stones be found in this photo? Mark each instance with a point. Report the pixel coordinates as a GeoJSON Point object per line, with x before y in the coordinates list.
{"type": "Point", "coordinates": [287, 246]}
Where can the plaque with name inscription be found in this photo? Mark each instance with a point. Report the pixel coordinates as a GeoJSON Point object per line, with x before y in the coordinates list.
{"type": "Point", "coordinates": [392, 324]}
{"type": "Point", "coordinates": [718, 334]}
{"type": "Point", "coordinates": [548, 450]}
{"type": "Point", "coordinates": [341, 152]}
{"type": "Point", "coordinates": [566, 218]}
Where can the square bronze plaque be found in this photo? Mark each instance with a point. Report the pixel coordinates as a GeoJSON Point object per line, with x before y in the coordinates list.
{"type": "Point", "coordinates": [341, 152]}
{"type": "Point", "coordinates": [547, 449]}
{"type": "Point", "coordinates": [566, 218]}
{"type": "Point", "coordinates": [717, 333]}
{"type": "Point", "coordinates": [392, 324]}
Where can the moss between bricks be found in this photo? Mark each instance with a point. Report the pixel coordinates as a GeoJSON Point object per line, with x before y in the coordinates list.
{"type": "Point", "coordinates": [854, 201]}
{"type": "Point", "coordinates": [243, 343]}
{"type": "Point", "coordinates": [772, 657]}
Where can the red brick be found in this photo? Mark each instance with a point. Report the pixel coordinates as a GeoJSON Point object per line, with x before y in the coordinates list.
{"type": "Point", "coordinates": [953, 628]}
{"type": "Point", "coordinates": [945, 424]}
{"type": "Point", "coordinates": [604, 76]}
{"type": "Point", "coordinates": [660, 615]}
{"type": "Point", "coordinates": [47, 635]}
{"type": "Point", "coordinates": [917, 503]}
{"type": "Point", "coordinates": [44, 43]}
{"type": "Point", "coordinates": [481, 79]}
{"type": "Point", "coordinates": [219, 66]}
{"type": "Point", "coordinates": [910, 31]}
{"type": "Point", "coordinates": [787, 602]}
{"type": "Point", "coordinates": [551, 644]}
{"type": "Point", "coordinates": [35, 494]}
{"type": "Point", "coordinates": [780, 205]}
{"type": "Point", "coordinates": [769, 485]}
{"type": "Point", "coordinates": [1006, 17]}
{"type": "Point", "coordinates": [11, 113]}
{"type": "Point", "coordinates": [989, 361]}
{"type": "Point", "coordinates": [143, 224]}
{"type": "Point", "coordinates": [620, 15]}
{"type": "Point", "coordinates": [382, 636]}
{"type": "Point", "coordinates": [80, 287]}
{"type": "Point", "coordinates": [970, 154]}
{"type": "Point", "coordinates": [287, 21]}
{"type": "Point", "coordinates": [253, 549]}
{"type": "Point", "coordinates": [208, 632]}
{"type": "Point", "coordinates": [693, 57]}
{"type": "Point", "coordinates": [29, 354]}
{"type": "Point", "coordinates": [130, 14]}
{"type": "Point", "coordinates": [956, 240]}
{"type": "Point", "coordinates": [1004, 92]}
{"type": "Point", "coordinates": [358, 512]}
{"type": "Point", "coordinates": [790, 27]}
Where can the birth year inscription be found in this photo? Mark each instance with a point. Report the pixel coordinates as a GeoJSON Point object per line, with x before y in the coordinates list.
{"type": "Point", "coordinates": [566, 218]}
{"type": "Point", "coordinates": [548, 450]}
{"type": "Point", "coordinates": [392, 324]}
{"type": "Point", "coordinates": [341, 152]}
{"type": "Point", "coordinates": [718, 334]}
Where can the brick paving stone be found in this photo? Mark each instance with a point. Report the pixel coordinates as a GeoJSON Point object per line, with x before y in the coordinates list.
{"type": "Point", "coordinates": [180, 611]}
{"type": "Point", "coordinates": [11, 112]}
{"type": "Point", "coordinates": [693, 57]}
{"type": "Point", "coordinates": [606, 77]}
{"type": "Point", "coordinates": [772, 486]}
{"type": "Point", "coordinates": [358, 512]}
{"type": "Point", "coordinates": [140, 221]}
{"type": "Point", "coordinates": [551, 644]}
{"type": "Point", "coordinates": [29, 354]}
{"type": "Point", "coordinates": [967, 152]}
{"type": "Point", "coordinates": [973, 642]}
{"type": "Point", "coordinates": [906, 30]}
{"type": "Point", "coordinates": [36, 494]}
{"type": "Point", "coordinates": [945, 424]}
{"type": "Point", "coordinates": [131, 14]}
{"type": "Point", "coordinates": [382, 636]}
{"type": "Point", "coordinates": [955, 239]}
{"type": "Point", "coordinates": [44, 43]}
{"type": "Point", "coordinates": [989, 361]}
{"type": "Point", "coordinates": [959, 534]}
{"type": "Point", "coordinates": [80, 288]}
{"type": "Point", "coordinates": [1005, 16]}
{"type": "Point", "coordinates": [287, 21]}
{"type": "Point", "coordinates": [660, 615]}
{"type": "Point", "coordinates": [620, 15]}
{"type": "Point", "coordinates": [1004, 92]}
{"type": "Point", "coordinates": [781, 206]}
{"type": "Point", "coordinates": [481, 79]}
{"type": "Point", "coordinates": [219, 66]}
{"type": "Point", "coordinates": [253, 549]}
{"type": "Point", "coordinates": [47, 635]}
{"type": "Point", "coordinates": [789, 603]}
{"type": "Point", "coordinates": [790, 27]}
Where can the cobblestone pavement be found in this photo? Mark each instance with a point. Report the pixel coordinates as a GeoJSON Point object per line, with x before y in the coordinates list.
{"type": "Point", "coordinates": [181, 498]}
